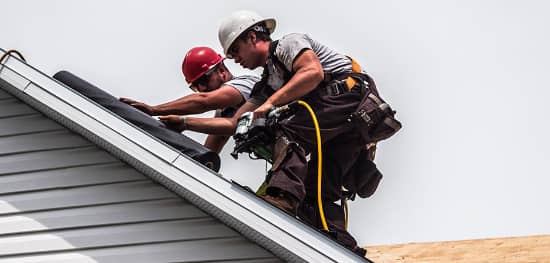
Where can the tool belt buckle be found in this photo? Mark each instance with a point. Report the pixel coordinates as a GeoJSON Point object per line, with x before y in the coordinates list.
{"type": "Point", "coordinates": [333, 89]}
{"type": "Point", "coordinates": [362, 114]}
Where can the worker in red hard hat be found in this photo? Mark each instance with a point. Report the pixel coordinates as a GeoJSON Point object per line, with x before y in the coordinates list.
{"type": "Point", "coordinates": [215, 89]}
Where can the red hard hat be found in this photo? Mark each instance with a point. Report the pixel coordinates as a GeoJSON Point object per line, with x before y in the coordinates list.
{"type": "Point", "coordinates": [198, 61]}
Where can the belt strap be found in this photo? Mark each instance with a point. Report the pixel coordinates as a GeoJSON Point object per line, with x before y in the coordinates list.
{"type": "Point", "coordinates": [355, 68]}
{"type": "Point", "coordinates": [334, 88]}
{"type": "Point", "coordinates": [348, 78]}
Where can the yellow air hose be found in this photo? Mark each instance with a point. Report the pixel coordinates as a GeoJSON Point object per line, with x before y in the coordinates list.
{"type": "Point", "coordinates": [319, 162]}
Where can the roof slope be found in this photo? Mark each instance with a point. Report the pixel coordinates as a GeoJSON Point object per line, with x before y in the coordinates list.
{"type": "Point", "coordinates": [63, 198]}
{"type": "Point", "coordinates": [509, 250]}
{"type": "Point", "coordinates": [239, 209]}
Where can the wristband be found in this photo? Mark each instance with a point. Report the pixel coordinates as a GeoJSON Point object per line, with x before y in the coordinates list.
{"type": "Point", "coordinates": [183, 123]}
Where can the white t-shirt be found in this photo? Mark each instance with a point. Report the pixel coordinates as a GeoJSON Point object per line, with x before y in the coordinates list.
{"type": "Point", "coordinates": [244, 85]}
{"type": "Point", "coordinates": [289, 47]}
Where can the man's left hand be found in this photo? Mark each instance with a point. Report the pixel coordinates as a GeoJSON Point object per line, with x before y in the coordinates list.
{"type": "Point", "coordinates": [139, 105]}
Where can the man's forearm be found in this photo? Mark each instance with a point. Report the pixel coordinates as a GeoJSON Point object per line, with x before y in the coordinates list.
{"type": "Point", "coordinates": [217, 126]}
{"type": "Point", "coordinates": [308, 75]}
{"type": "Point", "coordinates": [190, 104]}
{"type": "Point", "coordinates": [301, 84]}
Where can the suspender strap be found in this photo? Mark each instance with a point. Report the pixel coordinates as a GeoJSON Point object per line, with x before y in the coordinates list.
{"type": "Point", "coordinates": [355, 68]}
{"type": "Point", "coordinates": [287, 75]}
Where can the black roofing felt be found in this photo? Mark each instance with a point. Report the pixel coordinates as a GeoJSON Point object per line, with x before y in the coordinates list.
{"type": "Point", "coordinates": [156, 128]}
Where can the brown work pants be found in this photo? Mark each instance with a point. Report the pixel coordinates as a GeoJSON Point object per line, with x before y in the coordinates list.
{"type": "Point", "coordinates": [341, 145]}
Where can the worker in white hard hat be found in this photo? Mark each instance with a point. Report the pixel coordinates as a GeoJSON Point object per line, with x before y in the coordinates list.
{"type": "Point", "coordinates": [297, 67]}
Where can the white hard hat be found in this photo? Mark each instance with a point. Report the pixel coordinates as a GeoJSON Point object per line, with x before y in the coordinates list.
{"type": "Point", "coordinates": [233, 26]}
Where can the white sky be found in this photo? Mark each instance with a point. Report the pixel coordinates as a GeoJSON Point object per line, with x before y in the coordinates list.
{"type": "Point", "coordinates": [466, 77]}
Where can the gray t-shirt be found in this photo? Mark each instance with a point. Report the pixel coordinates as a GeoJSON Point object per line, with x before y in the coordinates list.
{"type": "Point", "coordinates": [244, 85]}
{"type": "Point", "coordinates": [288, 48]}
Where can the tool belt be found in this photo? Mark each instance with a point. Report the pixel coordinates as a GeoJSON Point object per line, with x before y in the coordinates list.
{"type": "Point", "coordinates": [373, 118]}
{"type": "Point", "coordinates": [363, 179]}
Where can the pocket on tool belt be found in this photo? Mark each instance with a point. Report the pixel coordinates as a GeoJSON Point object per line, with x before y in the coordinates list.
{"type": "Point", "coordinates": [375, 119]}
{"type": "Point", "coordinates": [364, 177]}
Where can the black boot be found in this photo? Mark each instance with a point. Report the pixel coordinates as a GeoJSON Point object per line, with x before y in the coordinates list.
{"type": "Point", "coordinates": [360, 251]}
{"type": "Point", "coordinates": [283, 201]}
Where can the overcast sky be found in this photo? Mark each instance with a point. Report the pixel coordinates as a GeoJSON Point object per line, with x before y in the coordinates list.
{"type": "Point", "coordinates": [466, 77]}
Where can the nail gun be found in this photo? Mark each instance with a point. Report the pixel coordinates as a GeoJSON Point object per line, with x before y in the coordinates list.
{"type": "Point", "coordinates": [257, 136]}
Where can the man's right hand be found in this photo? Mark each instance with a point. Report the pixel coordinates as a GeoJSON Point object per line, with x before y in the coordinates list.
{"type": "Point", "coordinates": [174, 122]}
{"type": "Point", "coordinates": [139, 105]}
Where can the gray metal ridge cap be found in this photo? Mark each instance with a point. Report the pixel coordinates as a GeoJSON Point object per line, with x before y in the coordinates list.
{"type": "Point", "coordinates": [284, 236]}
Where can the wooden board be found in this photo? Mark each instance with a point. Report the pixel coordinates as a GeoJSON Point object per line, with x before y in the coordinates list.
{"type": "Point", "coordinates": [509, 250]}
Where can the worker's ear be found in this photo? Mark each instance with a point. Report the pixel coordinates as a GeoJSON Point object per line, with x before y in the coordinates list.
{"type": "Point", "coordinates": [223, 72]}
{"type": "Point", "coordinates": [221, 68]}
{"type": "Point", "coordinates": [252, 37]}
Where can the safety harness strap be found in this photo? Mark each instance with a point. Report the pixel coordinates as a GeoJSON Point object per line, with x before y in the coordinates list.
{"type": "Point", "coordinates": [287, 75]}
{"type": "Point", "coordinates": [332, 84]}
